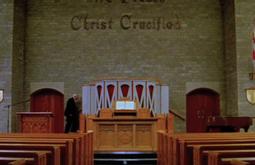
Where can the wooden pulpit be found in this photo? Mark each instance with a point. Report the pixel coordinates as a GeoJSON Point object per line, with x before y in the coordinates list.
{"type": "Point", "coordinates": [36, 122]}
{"type": "Point", "coordinates": [124, 128]}
{"type": "Point", "coordinates": [125, 114]}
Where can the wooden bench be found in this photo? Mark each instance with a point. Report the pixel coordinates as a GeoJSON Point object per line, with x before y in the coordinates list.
{"type": "Point", "coordinates": [53, 158]}
{"type": "Point", "coordinates": [82, 145]}
{"type": "Point", "coordinates": [77, 142]}
{"type": "Point", "coordinates": [238, 161]}
{"type": "Point", "coordinates": [164, 149]}
{"type": "Point", "coordinates": [187, 154]}
{"type": "Point", "coordinates": [66, 146]}
{"type": "Point", "coordinates": [16, 161]}
{"type": "Point", "coordinates": [79, 146]}
{"type": "Point", "coordinates": [199, 158]}
{"type": "Point", "coordinates": [180, 150]}
{"type": "Point", "coordinates": [39, 157]}
{"type": "Point", "coordinates": [215, 157]}
{"type": "Point", "coordinates": [179, 146]}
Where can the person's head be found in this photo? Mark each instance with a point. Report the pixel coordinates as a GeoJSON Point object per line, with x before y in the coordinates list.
{"type": "Point", "coordinates": [76, 97]}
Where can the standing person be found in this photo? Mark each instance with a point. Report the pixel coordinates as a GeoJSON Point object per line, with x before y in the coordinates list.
{"type": "Point", "coordinates": [72, 113]}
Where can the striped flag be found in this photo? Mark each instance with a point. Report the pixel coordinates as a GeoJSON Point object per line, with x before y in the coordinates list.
{"type": "Point", "coordinates": [253, 49]}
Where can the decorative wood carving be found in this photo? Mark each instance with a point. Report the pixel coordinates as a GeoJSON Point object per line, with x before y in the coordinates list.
{"type": "Point", "coordinates": [124, 134]}
{"type": "Point", "coordinates": [105, 134]}
{"type": "Point", "coordinates": [36, 122]}
{"type": "Point", "coordinates": [144, 130]}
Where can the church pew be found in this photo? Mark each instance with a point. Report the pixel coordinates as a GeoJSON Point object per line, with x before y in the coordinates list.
{"type": "Point", "coordinates": [16, 161]}
{"type": "Point", "coordinates": [215, 157]}
{"type": "Point", "coordinates": [178, 142]}
{"type": "Point", "coordinates": [78, 142]}
{"type": "Point", "coordinates": [238, 161]}
{"type": "Point", "coordinates": [66, 146]}
{"type": "Point", "coordinates": [82, 142]}
{"type": "Point", "coordinates": [160, 151]}
{"type": "Point", "coordinates": [39, 157]}
{"type": "Point", "coordinates": [89, 148]}
{"type": "Point", "coordinates": [53, 158]}
{"type": "Point", "coordinates": [186, 152]}
{"type": "Point", "coordinates": [163, 148]}
{"type": "Point", "coordinates": [200, 159]}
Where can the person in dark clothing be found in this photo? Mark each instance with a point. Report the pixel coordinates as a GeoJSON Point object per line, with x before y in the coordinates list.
{"type": "Point", "coordinates": [72, 113]}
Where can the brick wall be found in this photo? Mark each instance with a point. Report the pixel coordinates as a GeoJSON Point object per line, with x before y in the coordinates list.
{"type": "Point", "coordinates": [60, 49]}
{"type": "Point", "coordinates": [245, 15]}
{"type": "Point", "coordinates": [187, 55]}
{"type": "Point", "coordinates": [6, 27]}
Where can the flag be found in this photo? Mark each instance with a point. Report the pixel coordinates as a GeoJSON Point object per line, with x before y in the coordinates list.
{"type": "Point", "coordinates": [253, 49]}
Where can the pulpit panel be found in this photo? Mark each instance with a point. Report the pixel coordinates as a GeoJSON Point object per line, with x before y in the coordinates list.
{"type": "Point", "coordinates": [106, 132]}
{"type": "Point", "coordinates": [125, 136]}
{"type": "Point", "coordinates": [142, 131]}
{"type": "Point", "coordinates": [36, 122]}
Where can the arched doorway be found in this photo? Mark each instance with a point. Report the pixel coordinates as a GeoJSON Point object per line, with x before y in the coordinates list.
{"type": "Point", "coordinates": [49, 100]}
{"type": "Point", "coordinates": [201, 103]}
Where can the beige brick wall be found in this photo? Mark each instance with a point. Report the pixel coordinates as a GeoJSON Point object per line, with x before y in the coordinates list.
{"type": "Point", "coordinates": [245, 16]}
{"type": "Point", "coordinates": [6, 27]}
{"type": "Point", "coordinates": [189, 53]}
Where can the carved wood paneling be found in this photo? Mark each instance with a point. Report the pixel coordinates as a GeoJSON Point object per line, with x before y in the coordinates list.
{"type": "Point", "coordinates": [36, 125]}
{"type": "Point", "coordinates": [36, 122]}
{"type": "Point", "coordinates": [125, 135]}
{"type": "Point", "coordinates": [144, 130]}
{"type": "Point", "coordinates": [105, 135]}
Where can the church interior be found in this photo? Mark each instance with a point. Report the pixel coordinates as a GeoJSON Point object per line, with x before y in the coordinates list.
{"type": "Point", "coordinates": [142, 82]}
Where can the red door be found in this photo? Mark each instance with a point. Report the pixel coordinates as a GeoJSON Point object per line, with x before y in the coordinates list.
{"type": "Point", "coordinates": [201, 103]}
{"type": "Point", "coordinates": [49, 100]}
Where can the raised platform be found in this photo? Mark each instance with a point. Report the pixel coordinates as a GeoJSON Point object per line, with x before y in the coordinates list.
{"type": "Point", "coordinates": [125, 158]}
{"type": "Point", "coordinates": [125, 133]}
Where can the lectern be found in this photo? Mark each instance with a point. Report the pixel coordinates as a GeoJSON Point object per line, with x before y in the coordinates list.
{"type": "Point", "coordinates": [36, 122]}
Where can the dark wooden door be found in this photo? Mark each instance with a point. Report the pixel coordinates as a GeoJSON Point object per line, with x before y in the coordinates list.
{"type": "Point", "coordinates": [49, 100]}
{"type": "Point", "coordinates": [201, 103]}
